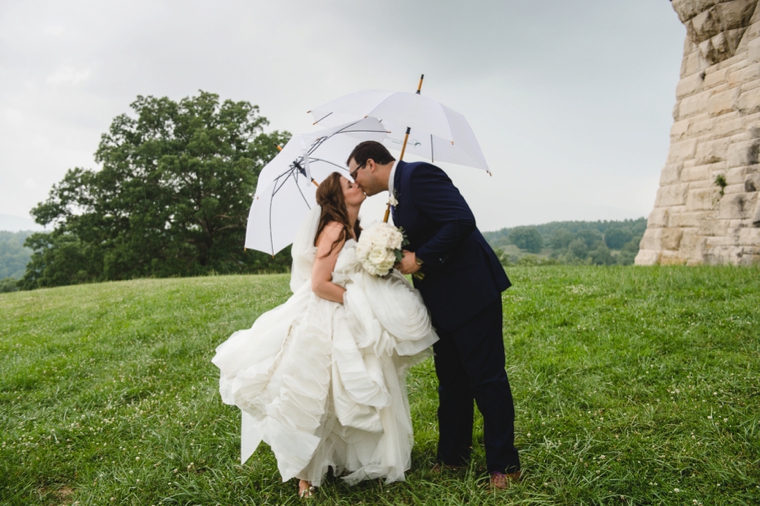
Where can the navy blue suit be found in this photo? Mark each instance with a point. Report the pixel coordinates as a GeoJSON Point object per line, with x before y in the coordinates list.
{"type": "Point", "coordinates": [462, 290]}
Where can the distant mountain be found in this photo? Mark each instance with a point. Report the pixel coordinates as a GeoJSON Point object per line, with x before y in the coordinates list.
{"type": "Point", "coordinates": [13, 255]}
{"type": "Point", "coordinates": [12, 223]}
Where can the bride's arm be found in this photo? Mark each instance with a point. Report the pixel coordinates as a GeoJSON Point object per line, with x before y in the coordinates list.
{"type": "Point", "coordinates": [324, 264]}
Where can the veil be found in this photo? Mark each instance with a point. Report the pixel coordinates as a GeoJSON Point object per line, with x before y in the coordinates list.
{"type": "Point", "coordinates": [303, 251]}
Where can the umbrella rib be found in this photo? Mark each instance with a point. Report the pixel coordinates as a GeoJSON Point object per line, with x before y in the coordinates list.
{"type": "Point", "coordinates": [328, 162]}
{"type": "Point", "coordinates": [323, 117]}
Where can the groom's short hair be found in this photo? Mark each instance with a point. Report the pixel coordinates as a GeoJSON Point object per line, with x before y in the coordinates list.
{"type": "Point", "coordinates": [370, 149]}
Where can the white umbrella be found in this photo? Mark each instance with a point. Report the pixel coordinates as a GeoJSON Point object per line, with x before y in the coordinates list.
{"type": "Point", "coordinates": [286, 188]}
{"type": "Point", "coordinates": [436, 131]}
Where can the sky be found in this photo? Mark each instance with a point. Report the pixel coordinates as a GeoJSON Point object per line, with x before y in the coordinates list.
{"type": "Point", "coordinates": [571, 102]}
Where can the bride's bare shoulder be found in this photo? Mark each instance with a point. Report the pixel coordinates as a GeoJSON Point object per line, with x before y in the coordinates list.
{"type": "Point", "coordinates": [331, 232]}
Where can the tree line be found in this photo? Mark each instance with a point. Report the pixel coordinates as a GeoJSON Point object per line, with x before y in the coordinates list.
{"type": "Point", "coordinates": [171, 197]}
{"type": "Point", "coordinates": [13, 259]}
{"type": "Point", "coordinates": [570, 242]}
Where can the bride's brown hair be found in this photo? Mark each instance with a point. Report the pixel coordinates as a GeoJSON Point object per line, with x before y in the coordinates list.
{"type": "Point", "coordinates": [330, 198]}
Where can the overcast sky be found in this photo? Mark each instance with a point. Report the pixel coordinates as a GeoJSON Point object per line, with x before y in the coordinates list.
{"type": "Point", "coordinates": [570, 100]}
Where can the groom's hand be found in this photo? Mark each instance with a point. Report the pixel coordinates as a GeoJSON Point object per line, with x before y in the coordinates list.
{"type": "Point", "coordinates": [408, 264]}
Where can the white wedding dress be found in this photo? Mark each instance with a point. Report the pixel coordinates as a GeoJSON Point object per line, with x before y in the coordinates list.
{"type": "Point", "coordinates": [324, 383]}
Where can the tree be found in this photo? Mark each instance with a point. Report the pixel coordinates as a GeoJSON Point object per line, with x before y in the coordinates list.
{"type": "Point", "coordinates": [589, 236]}
{"type": "Point", "coordinates": [615, 237]}
{"type": "Point", "coordinates": [601, 255]}
{"type": "Point", "coordinates": [578, 248]}
{"type": "Point", "coordinates": [561, 238]}
{"type": "Point", "coordinates": [527, 238]}
{"type": "Point", "coordinates": [171, 199]}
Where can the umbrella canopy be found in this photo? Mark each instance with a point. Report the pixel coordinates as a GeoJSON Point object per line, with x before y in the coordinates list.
{"type": "Point", "coordinates": [286, 188]}
{"type": "Point", "coordinates": [437, 132]}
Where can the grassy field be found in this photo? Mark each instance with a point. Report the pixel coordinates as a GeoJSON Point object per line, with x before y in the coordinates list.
{"type": "Point", "coordinates": [632, 386]}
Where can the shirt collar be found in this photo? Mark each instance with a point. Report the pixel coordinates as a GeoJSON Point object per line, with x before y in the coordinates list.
{"type": "Point", "coordinates": [392, 177]}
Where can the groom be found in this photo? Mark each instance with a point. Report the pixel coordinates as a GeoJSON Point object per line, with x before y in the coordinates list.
{"type": "Point", "coordinates": [461, 284]}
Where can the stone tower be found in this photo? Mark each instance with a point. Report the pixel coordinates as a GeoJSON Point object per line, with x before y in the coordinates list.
{"type": "Point", "coordinates": [707, 209]}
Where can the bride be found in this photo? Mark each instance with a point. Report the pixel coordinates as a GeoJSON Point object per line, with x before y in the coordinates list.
{"type": "Point", "coordinates": [321, 378]}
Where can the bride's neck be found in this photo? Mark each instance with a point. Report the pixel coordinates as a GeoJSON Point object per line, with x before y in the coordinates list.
{"type": "Point", "coordinates": [353, 215]}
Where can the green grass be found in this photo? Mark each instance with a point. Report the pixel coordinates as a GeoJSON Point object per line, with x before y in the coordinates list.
{"type": "Point", "coordinates": [632, 386]}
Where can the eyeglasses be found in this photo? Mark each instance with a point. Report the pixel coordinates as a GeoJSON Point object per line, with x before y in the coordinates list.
{"type": "Point", "coordinates": [353, 173]}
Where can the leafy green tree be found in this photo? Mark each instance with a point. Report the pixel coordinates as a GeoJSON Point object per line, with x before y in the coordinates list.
{"type": "Point", "coordinates": [8, 285]}
{"type": "Point", "coordinates": [578, 248]}
{"type": "Point", "coordinates": [527, 238]}
{"type": "Point", "coordinates": [589, 236]}
{"type": "Point", "coordinates": [561, 238]}
{"type": "Point", "coordinates": [628, 252]}
{"type": "Point", "coordinates": [601, 255]}
{"type": "Point", "coordinates": [172, 197]}
{"type": "Point", "coordinates": [615, 237]}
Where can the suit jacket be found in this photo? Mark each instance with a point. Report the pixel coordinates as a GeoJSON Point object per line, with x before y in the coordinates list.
{"type": "Point", "coordinates": [462, 273]}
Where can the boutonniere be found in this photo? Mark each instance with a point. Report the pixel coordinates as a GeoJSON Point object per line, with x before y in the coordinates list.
{"type": "Point", "coordinates": [393, 199]}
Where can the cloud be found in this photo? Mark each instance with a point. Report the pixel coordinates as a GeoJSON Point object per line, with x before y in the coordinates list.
{"type": "Point", "coordinates": [68, 75]}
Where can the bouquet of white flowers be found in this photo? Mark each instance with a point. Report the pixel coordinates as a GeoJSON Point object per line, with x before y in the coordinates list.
{"type": "Point", "coordinates": [379, 248]}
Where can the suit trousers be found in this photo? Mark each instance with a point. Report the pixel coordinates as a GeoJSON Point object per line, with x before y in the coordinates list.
{"type": "Point", "coordinates": [469, 362]}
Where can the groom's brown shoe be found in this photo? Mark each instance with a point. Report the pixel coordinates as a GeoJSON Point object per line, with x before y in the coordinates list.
{"type": "Point", "coordinates": [501, 481]}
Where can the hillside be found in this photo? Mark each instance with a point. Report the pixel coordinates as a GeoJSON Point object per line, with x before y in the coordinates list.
{"type": "Point", "coordinates": [570, 242]}
{"type": "Point", "coordinates": [632, 385]}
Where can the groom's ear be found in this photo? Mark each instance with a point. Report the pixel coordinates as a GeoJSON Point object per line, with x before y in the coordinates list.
{"type": "Point", "coordinates": [370, 164]}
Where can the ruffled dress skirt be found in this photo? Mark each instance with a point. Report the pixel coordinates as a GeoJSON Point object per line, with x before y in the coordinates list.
{"type": "Point", "coordinates": [323, 384]}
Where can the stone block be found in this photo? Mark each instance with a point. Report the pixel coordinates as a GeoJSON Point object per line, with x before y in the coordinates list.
{"type": "Point", "coordinates": [722, 102]}
{"type": "Point", "coordinates": [714, 77]}
{"type": "Point", "coordinates": [750, 73]}
{"type": "Point", "coordinates": [687, 9]}
{"type": "Point", "coordinates": [736, 176]}
{"type": "Point", "coordinates": [749, 101]}
{"type": "Point", "coordinates": [672, 258]}
{"type": "Point", "coordinates": [647, 257]}
{"type": "Point", "coordinates": [698, 173]}
{"type": "Point", "coordinates": [729, 124]}
{"type": "Point", "coordinates": [751, 183]}
{"type": "Point", "coordinates": [749, 236]}
{"type": "Point", "coordinates": [712, 151]}
{"type": "Point", "coordinates": [698, 125]}
{"type": "Point", "coordinates": [733, 189]}
{"type": "Point", "coordinates": [693, 105]}
{"type": "Point", "coordinates": [690, 85]}
{"type": "Point", "coordinates": [686, 220]}
{"type": "Point", "coordinates": [753, 51]}
{"type": "Point", "coordinates": [672, 195]}
{"type": "Point", "coordinates": [693, 63]}
{"type": "Point", "coordinates": [692, 245]}
{"type": "Point", "coordinates": [702, 199]}
{"type": "Point", "coordinates": [749, 258]}
{"type": "Point", "coordinates": [658, 218]}
{"type": "Point", "coordinates": [680, 151]}
{"type": "Point", "coordinates": [679, 129]}
{"type": "Point", "coordinates": [670, 238]}
{"type": "Point", "coordinates": [651, 239]}
{"type": "Point", "coordinates": [744, 153]}
{"type": "Point", "coordinates": [736, 207]}
{"type": "Point", "coordinates": [670, 174]}
{"type": "Point", "coordinates": [713, 228]}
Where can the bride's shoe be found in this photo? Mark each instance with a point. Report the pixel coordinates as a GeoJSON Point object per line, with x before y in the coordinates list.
{"type": "Point", "coordinates": [305, 489]}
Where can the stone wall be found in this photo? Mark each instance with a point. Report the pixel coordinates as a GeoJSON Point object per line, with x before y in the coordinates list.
{"type": "Point", "coordinates": [707, 209]}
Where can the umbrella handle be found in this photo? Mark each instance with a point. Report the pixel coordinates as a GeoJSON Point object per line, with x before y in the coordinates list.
{"type": "Point", "coordinates": [403, 149]}
{"type": "Point", "coordinates": [387, 212]}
